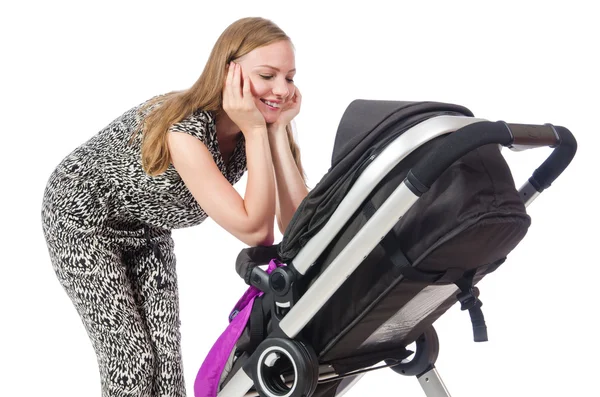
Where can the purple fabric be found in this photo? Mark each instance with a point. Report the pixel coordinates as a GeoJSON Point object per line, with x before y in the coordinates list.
{"type": "Point", "coordinates": [209, 374]}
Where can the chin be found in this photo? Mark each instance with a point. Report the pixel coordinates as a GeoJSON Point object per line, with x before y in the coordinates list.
{"type": "Point", "coordinates": [270, 118]}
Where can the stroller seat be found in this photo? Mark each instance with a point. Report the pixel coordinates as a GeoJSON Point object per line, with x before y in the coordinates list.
{"type": "Point", "coordinates": [418, 206]}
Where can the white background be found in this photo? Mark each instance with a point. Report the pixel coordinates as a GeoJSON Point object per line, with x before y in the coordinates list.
{"type": "Point", "coordinates": [69, 68]}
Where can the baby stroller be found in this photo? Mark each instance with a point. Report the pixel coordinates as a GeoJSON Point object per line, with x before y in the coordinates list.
{"type": "Point", "coordinates": [418, 206]}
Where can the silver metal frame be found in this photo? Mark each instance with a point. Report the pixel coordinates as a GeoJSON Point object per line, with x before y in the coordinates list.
{"type": "Point", "coordinates": [397, 204]}
{"type": "Point", "coordinates": [528, 193]}
{"type": "Point", "coordinates": [432, 384]}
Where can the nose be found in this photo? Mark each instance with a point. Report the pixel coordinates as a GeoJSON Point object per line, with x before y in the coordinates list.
{"type": "Point", "coordinates": [281, 88]}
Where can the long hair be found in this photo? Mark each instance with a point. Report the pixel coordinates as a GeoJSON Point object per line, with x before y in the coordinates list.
{"type": "Point", "coordinates": [240, 38]}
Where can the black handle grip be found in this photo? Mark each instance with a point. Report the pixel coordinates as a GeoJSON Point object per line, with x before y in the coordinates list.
{"type": "Point", "coordinates": [251, 257]}
{"type": "Point", "coordinates": [557, 162]}
{"type": "Point", "coordinates": [470, 137]}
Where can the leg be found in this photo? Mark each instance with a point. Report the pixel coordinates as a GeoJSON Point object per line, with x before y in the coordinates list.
{"type": "Point", "coordinates": [94, 278]}
{"type": "Point", "coordinates": [151, 269]}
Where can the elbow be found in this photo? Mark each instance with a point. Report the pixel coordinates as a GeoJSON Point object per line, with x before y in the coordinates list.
{"type": "Point", "coordinates": [262, 237]}
{"type": "Point", "coordinates": [267, 241]}
{"type": "Point", "coordinates": [266, 237]}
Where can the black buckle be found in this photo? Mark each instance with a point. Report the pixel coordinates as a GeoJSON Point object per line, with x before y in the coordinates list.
{"type": "Point", "coordinates": [469, 299]}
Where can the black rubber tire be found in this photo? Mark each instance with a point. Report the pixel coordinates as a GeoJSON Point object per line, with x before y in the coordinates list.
{"type": "Point", "coordinates": [311, 357]}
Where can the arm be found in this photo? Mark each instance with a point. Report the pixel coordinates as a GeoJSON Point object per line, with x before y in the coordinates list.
{"type": "Point", "coordinates": [290, 187]}
{"type": "Point", "coordinates": [250, 219]}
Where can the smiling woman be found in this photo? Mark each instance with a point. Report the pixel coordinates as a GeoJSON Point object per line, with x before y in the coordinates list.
{"type": "Point", "coordinates": [271, 71]}
{"type": "Point", "coordinates": [109, 206]}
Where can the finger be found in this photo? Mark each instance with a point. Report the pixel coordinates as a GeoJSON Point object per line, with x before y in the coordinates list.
{"type": "Point", "coordinates": [236, 81]}
{"type": "Point", "coordinates": [230, 70]}
{"type": "Point", "coordinates": [229, 78]}
{"type": "Point", "coordinates": [246, 89]}
{"type": "Point", "coordinates": [228, 81]}
{"type": "Point", "coordinates": [297, 95]}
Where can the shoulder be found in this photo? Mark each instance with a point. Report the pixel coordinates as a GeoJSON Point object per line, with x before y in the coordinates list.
{"type": "Point", "coordinates": [199, 124]}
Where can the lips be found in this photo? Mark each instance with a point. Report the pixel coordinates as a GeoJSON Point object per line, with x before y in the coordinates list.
{"type": "Point", "coordinates": [271, 104]}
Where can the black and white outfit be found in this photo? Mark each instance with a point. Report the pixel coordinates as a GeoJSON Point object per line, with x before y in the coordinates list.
{"type": "Point", "coordinates": [108, 229]}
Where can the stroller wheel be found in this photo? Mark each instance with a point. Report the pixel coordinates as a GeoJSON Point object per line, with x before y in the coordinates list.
{"type": "Point", "coordinates": [427, 349]}
{"type": "Point", "coordinates": [285, 368]}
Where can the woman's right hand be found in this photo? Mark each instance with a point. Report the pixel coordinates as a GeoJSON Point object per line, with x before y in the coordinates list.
{"type": "Point", "coordinates": [238, 102]}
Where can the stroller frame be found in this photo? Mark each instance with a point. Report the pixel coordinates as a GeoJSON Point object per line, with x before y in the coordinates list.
{"type": "Point", "coordinates": [464, 134]}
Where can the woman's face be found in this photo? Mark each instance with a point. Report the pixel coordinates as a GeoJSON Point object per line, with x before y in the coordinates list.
{"type": "Point", "coordinates": [271, 70]}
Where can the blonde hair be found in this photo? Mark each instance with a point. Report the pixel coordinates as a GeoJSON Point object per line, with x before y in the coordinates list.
{"type": "Point", "coordinates": [240, 38]}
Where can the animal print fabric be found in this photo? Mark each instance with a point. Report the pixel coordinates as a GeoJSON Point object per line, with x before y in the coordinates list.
{"type": "Point", "coordinates": [108, 230]}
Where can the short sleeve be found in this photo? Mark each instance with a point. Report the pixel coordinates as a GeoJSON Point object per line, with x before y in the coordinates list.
{"type": "Point", "coordinates": [197, 124]}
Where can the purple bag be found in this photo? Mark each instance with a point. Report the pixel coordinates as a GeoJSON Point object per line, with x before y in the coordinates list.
{"type": "Point", "coordinates": [209, 374]}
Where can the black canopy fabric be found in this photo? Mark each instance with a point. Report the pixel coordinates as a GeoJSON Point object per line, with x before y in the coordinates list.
{"type": "Point", "coordinates": [365, 128]}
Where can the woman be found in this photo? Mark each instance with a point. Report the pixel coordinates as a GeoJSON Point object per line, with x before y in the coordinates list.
{"type": "Point", "coordinates": [110, 205]}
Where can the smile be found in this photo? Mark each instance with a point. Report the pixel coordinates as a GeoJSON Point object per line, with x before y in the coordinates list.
{"type": "Point", "coordinates": [270, 104]}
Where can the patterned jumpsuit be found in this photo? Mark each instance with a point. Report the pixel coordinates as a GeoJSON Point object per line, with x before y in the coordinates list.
{"type": "Point", "coordinates": [108, 229]}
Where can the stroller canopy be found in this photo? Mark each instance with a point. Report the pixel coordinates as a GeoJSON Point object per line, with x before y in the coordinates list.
{"type": "Point", "coordinates": [365, 128]}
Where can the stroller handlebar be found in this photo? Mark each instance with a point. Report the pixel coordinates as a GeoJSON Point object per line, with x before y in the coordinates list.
{"type": "Point", "coordinates": [557, 162]}
{"type": "Point", "coordinates": [528, 136]}
{"type": "Point", "coordinates": [514, 136]}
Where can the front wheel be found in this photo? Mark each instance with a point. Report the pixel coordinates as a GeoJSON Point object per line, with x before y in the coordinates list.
{"type": "Point", "coordinates": [285, 368]}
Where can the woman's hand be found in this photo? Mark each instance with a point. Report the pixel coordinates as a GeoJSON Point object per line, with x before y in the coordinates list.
{"type": "Point", "coordinates": [289, 111]}
{"type": "Point", "coordinates": [238, 102]}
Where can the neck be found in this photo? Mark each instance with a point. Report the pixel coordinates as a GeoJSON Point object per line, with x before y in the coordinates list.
{"type": "Point", "coordinates": [226, 128]}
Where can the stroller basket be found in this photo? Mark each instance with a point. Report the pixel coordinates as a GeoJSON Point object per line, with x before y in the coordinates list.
{"type": "Point", "coordinates": [417, 207]}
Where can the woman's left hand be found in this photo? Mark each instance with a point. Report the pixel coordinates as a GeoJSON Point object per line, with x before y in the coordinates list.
{"type": "Point", "coordinates": [289, 111]}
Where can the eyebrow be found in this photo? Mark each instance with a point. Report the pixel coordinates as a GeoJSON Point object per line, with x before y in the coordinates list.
{"type": "Point", "coordinates": [274, 68]}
